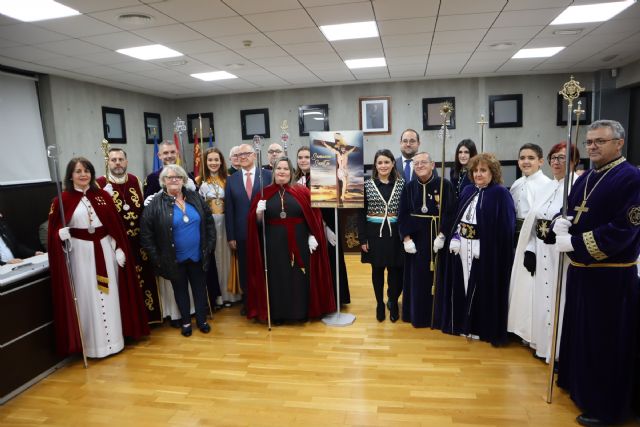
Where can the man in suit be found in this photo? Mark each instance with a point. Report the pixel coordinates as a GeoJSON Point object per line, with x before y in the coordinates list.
{"type": "Point", "coordinates": [409, 146]}
{"type": "Point", "coordinates": [12, 251]}
{"type": "Point", "coordinates": [241, 187]}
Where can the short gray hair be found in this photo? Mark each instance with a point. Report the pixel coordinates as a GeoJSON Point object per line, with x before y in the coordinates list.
{"type": "Point", "coordinates": [175, 169]}
{"type": "Point", "coordinates": [233, 150]}
{"type": "Point", "coordinates": [424, 153]}
{"type": "Point", "coordinates": [616, 128]}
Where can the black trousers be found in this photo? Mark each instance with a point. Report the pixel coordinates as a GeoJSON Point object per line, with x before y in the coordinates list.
{"type": "Point", "coordinates": [190, 272]}
{"type": "Point", "coordinates": [394, 283]}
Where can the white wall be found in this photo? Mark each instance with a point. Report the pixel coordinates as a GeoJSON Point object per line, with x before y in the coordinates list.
{"type": "Point", "coordinates": [75, 108]}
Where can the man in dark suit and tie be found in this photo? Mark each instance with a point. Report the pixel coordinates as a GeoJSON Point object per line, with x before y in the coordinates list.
{"type": "Point", "coordinates": [241, 187]}
{"type": "Point", "coordinates": [409, 146]}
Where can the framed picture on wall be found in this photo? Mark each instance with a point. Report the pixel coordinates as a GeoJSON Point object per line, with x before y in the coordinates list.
{"type": "Point", "coordinates": [255, 122]}
{"type": "Point", "coordinates": [562, 109]}
{"type": "Point", "coordinates": [505, 111]}
{"type": "Point", "coordinates": [193, 123]}
{"type": "Point", "coordinates": [152, 126]}
{"type": "Point", "coordinates": [313, 118]}
{"type": "Point", "coordinates": [431, 118]}
{"type": "Point", "coordinates": [375, 114]}
{"type": "Point", "coordinates": [113, 125]}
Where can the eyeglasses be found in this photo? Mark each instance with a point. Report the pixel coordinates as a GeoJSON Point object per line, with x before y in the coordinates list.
{"type": "Point", "coordinates": [274, 151]}
{"type": "Point", "coordinates": [245, 154]}
{"type": "Point", "coordinates": [234, 155]}
{"type": "Point", "coordinates": [173, 178]}
{"type": "Point", "coordinates": [408, 141]}
{"type": "Point", "coordinates": [558, 159]}
{"type": "Point", "coordinates": [421, 163]}
{"type": "Point", "coordinates": [598, 142]}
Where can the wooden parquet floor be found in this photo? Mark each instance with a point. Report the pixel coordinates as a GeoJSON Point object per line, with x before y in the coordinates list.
{"type": "Point", "coordinates": [366, 374]}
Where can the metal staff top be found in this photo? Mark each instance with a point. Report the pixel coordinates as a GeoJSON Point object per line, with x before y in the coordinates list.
{"type": "Point", "coordinates": [105, 151]}
{"type": "Point", "coordinates": [284, 136]}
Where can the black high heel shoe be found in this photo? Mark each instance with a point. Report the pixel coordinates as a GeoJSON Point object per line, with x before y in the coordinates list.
{"type": "Point", "coordinates": [393, 311]}
{"type": "Point", "coordinates": [380, 313]}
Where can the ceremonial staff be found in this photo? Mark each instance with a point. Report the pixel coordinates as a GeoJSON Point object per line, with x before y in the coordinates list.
{"type": "Point", "coordinates": [445, 112]}
{"type": "Point", "coordinates": [201, 171]}
{"type": "Point", "coordinates": [284, 136]}
{"type": "Point", "coordinates": [257, 146]}
{"type": "Point", "coordinates": [482, 122]}
{"type": "Point", "coordinates": [52, 153]}
{"type": "Point", "coordinates": [570, 91]}
{"type": "Point", "coordinates": [179, 126]}
{"type": "Point", "coordinates": [105, 150]}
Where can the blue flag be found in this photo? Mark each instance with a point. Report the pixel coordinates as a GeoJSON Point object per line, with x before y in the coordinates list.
{"type": "Point", "coordinates": [157, 163]}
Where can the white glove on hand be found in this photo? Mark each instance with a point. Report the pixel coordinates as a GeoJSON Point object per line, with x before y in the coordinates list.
{"type": "Point", "coordinates": [561, 226]}
{"type": "Point", "coordinates": [331, 236]}
{"type": "Point", "coordinates": [109, 189]}
{"type": "Point", "coordinates": [475, 250]}
{"type": "Point", "coordinates": [454, 246]}
{"type": "Point", "coordinates": [313, 244]}
{"type": "Point", "coordinates": [438, 243]}
{"type": "Point", "coordinates": [64, 233]}
{"type": "Point", "coordinates": [120, 257]}
{"type": "Point", "coordinates": [148, 200]}
{"type": "Point", "coordinates": [563, 243]}
{"type": "Point", "coordinates": [190, 185]}
{"type": "Point", "coordinates": [409, 246]}
{"type": "Point", "coordinates": [261, 207]}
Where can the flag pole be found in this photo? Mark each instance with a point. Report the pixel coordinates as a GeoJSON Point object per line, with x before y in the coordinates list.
{"type": "Point", "coordinates": [570, 91]}
{"type": "Point", "coordinates": [257, 146]}
{"type": "Point", "coordinates": [52, 153]}
{"type": "Point", "coordinates": [445, 112]}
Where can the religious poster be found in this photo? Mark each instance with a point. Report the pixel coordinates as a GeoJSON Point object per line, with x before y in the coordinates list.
{"type": "Point", "coordinates": [337, 169]}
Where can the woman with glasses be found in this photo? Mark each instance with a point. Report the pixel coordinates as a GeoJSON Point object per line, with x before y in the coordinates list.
{"type": "Point", "coordinates": [459, 175]}
{"type": "Point", "coordinates": [212, 191]}
{"type": "Point", "coordinates": [535, 267]}
{"type": "Point", "coordinates": [178, 233]}
{"type": "Point", "coordinates": [476, 292]}
{"type": "Point", "coordinates": [378, 232]}
{"type": "Point", "coordinates": [297, 265]}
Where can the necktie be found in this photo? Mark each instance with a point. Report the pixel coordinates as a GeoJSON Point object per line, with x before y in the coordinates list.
{"type": "Point", "coordinates": [407, 170]}
{"type": "Point", "coordinates": [249, 185]}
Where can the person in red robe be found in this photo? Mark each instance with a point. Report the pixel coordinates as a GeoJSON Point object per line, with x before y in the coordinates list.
{"type": "Point", "coordinates": [297, 263]}
{"type": "Point", "coordinates": [99, 250]}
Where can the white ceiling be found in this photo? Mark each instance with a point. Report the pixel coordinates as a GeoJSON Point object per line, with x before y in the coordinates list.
{"type": "Point", "coordinates": [419, 39]}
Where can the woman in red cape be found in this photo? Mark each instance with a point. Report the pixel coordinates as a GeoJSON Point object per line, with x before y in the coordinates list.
{"type": "Point", "coordinates": [300, 285]}
{"type": "Point", "coordinates": [83, 201]}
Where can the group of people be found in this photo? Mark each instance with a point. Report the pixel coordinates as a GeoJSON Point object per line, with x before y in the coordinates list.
{"type": "Point", "coordinates": [466, 255]}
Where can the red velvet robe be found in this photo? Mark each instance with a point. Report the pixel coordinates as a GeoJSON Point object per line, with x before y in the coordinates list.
{"type": "Point", "coordinates": [132, 311]}
{"type": "Point", "coordinates": [321, 299]}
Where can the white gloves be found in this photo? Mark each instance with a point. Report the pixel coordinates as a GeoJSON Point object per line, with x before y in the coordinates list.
{"type": "Point", "coordinates": [120, 257]}
{"type": "Point", "coordinates": [561, 226]}
{"type": "Point", "coordinates": [475, 250]}
{"type": "Point", "coordinates": [454, 246]}
{"type": "Point", "coordinates": [109, 189]}
{"type": "Point", "coordinates": [563, 243]}
{"type": "Point", "coordinates": [409, 246]}
{"type": "Point", "coordinates": [313, 244]}
{"type": "Point", "coordinates": [64, 233]}
{"type": "Point", "coordinates": [438, 243]}
{"type": "Point", "coordinates": [331, 236]}
{"type": "Point", "coordinates": [190, 185]}
{"type": "Point", "coordinates": [148, 200]}
{"type": "Point", "coordinates": [261, 207]}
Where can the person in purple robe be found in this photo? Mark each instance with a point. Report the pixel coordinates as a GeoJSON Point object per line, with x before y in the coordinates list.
{"type": "Point", "coordinates": [474, 298]}
{"type": "Point", "coordinates": [601, 236]}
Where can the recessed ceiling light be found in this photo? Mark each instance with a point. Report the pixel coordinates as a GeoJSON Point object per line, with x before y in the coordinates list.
{"type": "Point", "coordinates": [597, 12]}
{"type": "Point", "coordinates": [234, 66]}
{"type": "Point", "coordinates": [176, 63]}
{"type": "Point", "coordinates": [135, 18]}
{"type": "Point", "coordinates": [540, 52]}
{"type": "Point", "coordinates": [214, 75]}
{"type": "Point", "coordinates": [609, 58]}
{"type": "Point", "coordinates": [567, 32]}
{"type": "Point", "coordinates": [154, 51]}
{"type": "Point", "coordinates": [501, 45]}
{"type": "Point", "coordinates": [35, 10]}
{"type": "Point", "coordinates": [366, 63]}
{"type": "Point", "coordinates": [354, 30]}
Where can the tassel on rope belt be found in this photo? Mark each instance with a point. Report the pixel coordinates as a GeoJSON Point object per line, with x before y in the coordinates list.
{"type": "Point", "coordinates": [101, 268]}
{"type": "Point", "coordinates": [294, 251]}
{"type": "Point", "coordinates": [433, 227]}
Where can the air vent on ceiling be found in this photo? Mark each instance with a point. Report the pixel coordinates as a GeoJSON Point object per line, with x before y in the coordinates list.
{"type": "Point", "coordinates": [135, 18]}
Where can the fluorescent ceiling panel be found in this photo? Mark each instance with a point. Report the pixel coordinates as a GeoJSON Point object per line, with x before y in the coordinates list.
{"type": "Point", "coordinates": [354, 30]}
{"type": "Point", "coordinates": [35, 10]}
{"type": "Point", "coordinates": [541, 52]}
{"type": "Point", "coordinates": [366, 63]}
{"type": "Point", "coordinates": [214, 75]}
{"type": "Point", "coordinates": [597, 12]}
{"type": "Point", "coordinates": [154, 51]}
